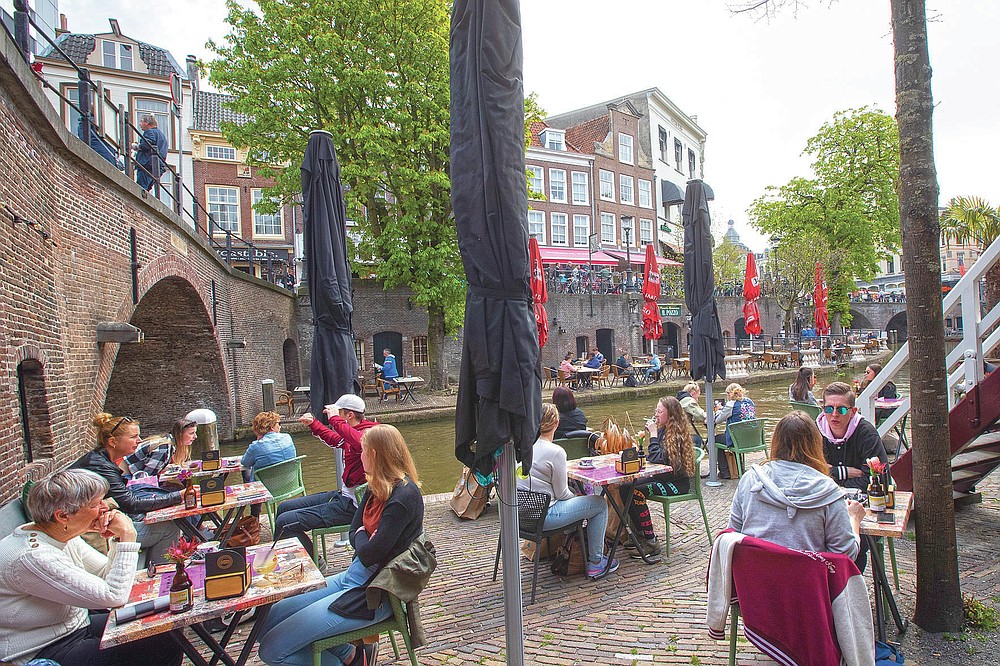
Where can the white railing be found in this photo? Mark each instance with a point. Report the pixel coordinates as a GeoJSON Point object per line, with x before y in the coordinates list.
{"type": "Point", "coordinates": [964, 364]}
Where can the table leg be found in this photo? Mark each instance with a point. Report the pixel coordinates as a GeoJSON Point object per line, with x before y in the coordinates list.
{"type": "Point", "coordinates": [228, 525]}
{"type": "Point", "coordinates": [409, 394]}
{"type": "Point", "coordinates": [187, 528]}
{"type": "Point", "coordinates": [883, 590]}
{"type": "Point", "coordinates": [622, 512]}
{"type": "Point", "coordinates": [254, 634]}
{"type": "Point", "coordinates": [185, 645]}
{"type": "Point", "coordinates": [218, 648]}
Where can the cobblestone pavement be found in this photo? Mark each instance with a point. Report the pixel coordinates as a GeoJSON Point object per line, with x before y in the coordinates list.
{"type": "Point", "coordinates": [643, 614]}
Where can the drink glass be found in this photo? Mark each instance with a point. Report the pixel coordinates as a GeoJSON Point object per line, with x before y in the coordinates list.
{"type": "Point", "coordinates": [265, 561]}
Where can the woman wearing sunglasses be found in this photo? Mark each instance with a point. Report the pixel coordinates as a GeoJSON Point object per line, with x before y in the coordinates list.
{"type": "Point", "coordinates": [118, 437]}
{"type": "Point", "coordinates": [848, 440]}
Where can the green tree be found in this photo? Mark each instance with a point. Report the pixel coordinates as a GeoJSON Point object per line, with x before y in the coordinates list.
{"type": "Point", "coordinates": [851, 200]}
{"type": "Point", "coordinates": [974, 220]}
{"type": "Point", "coordinates": [533, 113]}
{"type": "Point", "coordinates": [729, 262]}
{"type": "Point", "coordinates": [791, 270]}
{"type": "Point", "coordinates": [373, 73]}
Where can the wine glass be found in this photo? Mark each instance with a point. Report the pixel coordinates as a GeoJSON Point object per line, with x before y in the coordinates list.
{"type": "Point", "coordinates": [265, 561]}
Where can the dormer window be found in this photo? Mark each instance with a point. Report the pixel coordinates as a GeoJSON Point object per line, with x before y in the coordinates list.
{"type": "Point", "coordinates": [554, 139]}
{"type": "Point", "coordinates": [117, 55]}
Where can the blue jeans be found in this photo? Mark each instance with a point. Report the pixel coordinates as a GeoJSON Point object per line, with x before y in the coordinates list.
{"type": "Point", "coordinates": [295, 623]}
{"type": "Point", "coordinates": [311, 512]}
{"type": "Point", "coordinates": [591, 507]}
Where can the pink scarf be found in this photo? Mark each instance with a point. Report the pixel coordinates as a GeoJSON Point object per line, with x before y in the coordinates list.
{"type": "Point", "coordinates": [824, 428]}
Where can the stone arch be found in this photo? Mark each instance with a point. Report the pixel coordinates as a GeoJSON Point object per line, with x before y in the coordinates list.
{"type": "Point", "coordinates": [179, 366]}
{"type": "Point", "coordinates": [859, 320]}
{"type": "Point", "coordinates": [290, 357]}
{"type": "Point", "coordinates": [898, 324]}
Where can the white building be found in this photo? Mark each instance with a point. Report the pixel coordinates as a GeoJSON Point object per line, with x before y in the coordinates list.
{"type": "Point", "coordinates": [45, 14]}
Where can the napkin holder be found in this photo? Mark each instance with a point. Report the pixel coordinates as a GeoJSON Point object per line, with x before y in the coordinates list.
{"type": "Point", "coordinates": [628, 462]}
{"type": "Point", "coordinates": [227, 573]}
{"type": "Point", "coordinates": [213, 491]}
{"type": "Point", "coordinates": [211, 461]}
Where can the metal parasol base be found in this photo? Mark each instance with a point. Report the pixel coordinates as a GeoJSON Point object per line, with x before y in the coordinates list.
{"type": "Point", "coordinates": [713, 453]}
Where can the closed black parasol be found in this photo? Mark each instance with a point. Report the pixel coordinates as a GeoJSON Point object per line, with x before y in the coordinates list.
{"type": "Point", "coordinates": [499, 390]}
{"type": "Point", "coordinates": [334, 366]}
{"type": "Point", "coordinates": [707, 352]}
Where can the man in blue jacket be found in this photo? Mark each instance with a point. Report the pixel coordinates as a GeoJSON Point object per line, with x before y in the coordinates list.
{"type": "Point", "coordinates": [388, 367]}
{"type": "Point", "coordinates": [150, 153]}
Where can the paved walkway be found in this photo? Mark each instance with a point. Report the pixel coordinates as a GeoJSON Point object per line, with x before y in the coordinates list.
{"type": "Point", "coordinates": [643, 614]}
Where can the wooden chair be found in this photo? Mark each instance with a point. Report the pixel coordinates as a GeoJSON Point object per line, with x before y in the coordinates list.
{"type": "Point", "coordinates": [676, 367]}
{"type": "Point", "coordinates": [602, 378]}
{"type": "Point", "coordinates": [562, 379]}
{"type": "Point", "coordinates": [284, 481]}
{"type": "Point", "coordinates": [369, 386]}
{"type": "Point", "coordinates": [747, 437]}
{"type": "Point", "coordinates": [395, 622]}
{"type": "Point", "coordinates": [386, 388]}
{"type": "Point", "coordinates": [532, 508]}
{"type": "Point", "coordinates": [286, 399]}
{"type": "Point", "coordinates": [616, 373]}
{"type": "Point", "coordinates": [691, 495]}
{"type": "Point", "coordinates": [809, 408]}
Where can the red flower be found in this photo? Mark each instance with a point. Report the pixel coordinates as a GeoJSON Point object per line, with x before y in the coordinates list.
{"type": "Point", "coordinates": [182, 550]}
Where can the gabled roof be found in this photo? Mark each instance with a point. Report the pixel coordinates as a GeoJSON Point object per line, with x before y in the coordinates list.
{"type": "Point", "coordinates": [210, 110]}
{"type": "Point", "coordinates": [79, 47]}
{"type": "Point", "coordinates": [577, 116]}
{"type": "Point", "coordinates": [540, 126]}
{"type": "Point", "coordinates": [591, 132]}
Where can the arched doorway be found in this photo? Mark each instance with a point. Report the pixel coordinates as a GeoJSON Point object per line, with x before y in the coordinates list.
{"type": "Point", "coordinates": [860, 321]}
{"type": "Point", "coordinates": [606, 343]}
{"type": "Point", "coordinates": [391, 340]}
{"type": "Point", "coordinates": [898, 324]}
{"type": "Point", "coordinates": [177, 368]}
{"type": "Point", "coordinates": [668, 344]}
{"type": "Point", "coordinates": [35, 424]}
{"type": "Point", "coordinates": [293, 371]}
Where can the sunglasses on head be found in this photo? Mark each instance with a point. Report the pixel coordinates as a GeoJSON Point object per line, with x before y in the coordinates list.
{"type": "Point", "coordinates": [830, 409]}
{"type": "Point", "coordinates": [124, 419]}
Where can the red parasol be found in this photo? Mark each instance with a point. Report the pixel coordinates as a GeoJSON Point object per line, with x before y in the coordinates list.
{"type": "Point", "coordinates": [819, 300]}
{"type": "Point", "coordinates": [751, 292]}
{"type": "Point", "coordinates": [539, 291]}
{"type": "Point", "coordinates": [652, 326]}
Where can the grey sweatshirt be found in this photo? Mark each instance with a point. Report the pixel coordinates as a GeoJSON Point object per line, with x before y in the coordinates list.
{"type": "Point", "coordinates": [794, 506]}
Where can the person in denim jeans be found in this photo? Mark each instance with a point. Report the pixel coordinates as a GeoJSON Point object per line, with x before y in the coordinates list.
{"type": "Point", "coordinates": [548, 475]}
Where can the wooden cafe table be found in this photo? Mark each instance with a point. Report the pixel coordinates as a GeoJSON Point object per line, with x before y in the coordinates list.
{"type": "Point", "coordinates": [604, 475]}
{"type": "Point", "coordinates": [296, 574]}
{"type": "Point", "coordinates": [238, 497]}
{"type": "Point", "coordinates": [871, 531]}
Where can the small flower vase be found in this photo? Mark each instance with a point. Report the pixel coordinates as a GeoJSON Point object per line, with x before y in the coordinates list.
{"type": "Point", "coordinates": [181, 590]}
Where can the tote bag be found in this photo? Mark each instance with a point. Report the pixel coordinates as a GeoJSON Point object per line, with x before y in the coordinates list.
{"type": "Point", "coordinates": [469, 499]}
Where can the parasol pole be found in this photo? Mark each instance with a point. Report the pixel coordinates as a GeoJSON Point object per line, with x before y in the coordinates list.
{"type": "Point", "coordinates": [713, 453]}
{"type": "Point", "coordinates": [510, 553]}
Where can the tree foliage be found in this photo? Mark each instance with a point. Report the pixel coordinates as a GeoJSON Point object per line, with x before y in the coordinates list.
{"type": "Point", "coordinates": [373, 73]}
{"type": "Point", "coordinates": [729, 262]}
{"type": "Point", "coordinates": [850, 201]}
{"type": "Point", "coordinates": [790, 273]}
{"type": "Point", "coordinates": [974, 220]}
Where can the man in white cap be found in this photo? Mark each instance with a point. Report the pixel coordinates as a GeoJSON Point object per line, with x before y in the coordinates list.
{"type": "Point", "coordinates": [347, 425]}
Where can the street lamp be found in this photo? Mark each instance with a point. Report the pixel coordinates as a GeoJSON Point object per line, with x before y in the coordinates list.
{"type": "Point", "coordinates": [627, 230]}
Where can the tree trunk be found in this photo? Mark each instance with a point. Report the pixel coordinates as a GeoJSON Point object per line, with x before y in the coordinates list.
{"type": "Point", "coordinates": [939, 598]}
{"type": "Point", "coordinates": [438, 369]}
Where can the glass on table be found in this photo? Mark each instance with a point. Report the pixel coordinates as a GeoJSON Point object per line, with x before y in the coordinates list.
{"type": "Point", "coordinates": [265, 561]}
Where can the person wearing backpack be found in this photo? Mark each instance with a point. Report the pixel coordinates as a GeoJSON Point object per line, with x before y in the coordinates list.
{"type": "Point", "coordinates": [738, 408]}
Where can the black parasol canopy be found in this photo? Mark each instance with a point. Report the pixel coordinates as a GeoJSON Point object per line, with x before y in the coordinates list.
{"type": "Point", "coordinates": [707, 351]}
{"type": "Point", "coordinates": [334, 366]}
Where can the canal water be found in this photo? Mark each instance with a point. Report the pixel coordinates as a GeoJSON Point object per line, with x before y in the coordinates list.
{"type": "Point", "coordinates": [432, 443]}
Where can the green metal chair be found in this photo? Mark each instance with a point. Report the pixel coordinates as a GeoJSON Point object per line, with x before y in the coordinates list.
{"type": "Point", "coordinates": [284, 481]}
{"type": "Point", "coordinates": [576, 447]}
{"type": "Point", "coordinates": [747, 437]}
{"type": "Point", "coordinates": [319, 534]}
{"type": "Point", "coordinates": [809, 408]}
{"type": "Point", "coordinates": [395, 622]}
{"type": "Point", "coordinates": [693, 494]}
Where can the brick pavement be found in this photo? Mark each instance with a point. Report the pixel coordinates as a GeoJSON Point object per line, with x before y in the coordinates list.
{"type": "Point", "coordinates": [642, 614]}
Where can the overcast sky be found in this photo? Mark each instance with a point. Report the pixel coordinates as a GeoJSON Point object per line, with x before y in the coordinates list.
{"type": "Point", "coordinates": [759, 88]}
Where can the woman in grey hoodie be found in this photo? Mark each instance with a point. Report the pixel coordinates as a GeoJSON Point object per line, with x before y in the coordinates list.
{"type": "Point", "coordinates": [791, 500]}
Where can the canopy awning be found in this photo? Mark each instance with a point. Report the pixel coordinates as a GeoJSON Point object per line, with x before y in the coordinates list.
{"type": "Point", "coordinates": [671, 194]}
{"type": "Point", "coordinates": [638, 257]}
{"type": "Point", "coordinates": [574, 255]}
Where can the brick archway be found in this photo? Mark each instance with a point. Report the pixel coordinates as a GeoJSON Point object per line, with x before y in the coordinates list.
{"type": "Point", "coordinates": [179, 366]}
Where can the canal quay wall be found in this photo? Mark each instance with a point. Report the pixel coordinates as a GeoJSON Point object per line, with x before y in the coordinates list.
{"type": "Point", "coordinates": [211, 332]}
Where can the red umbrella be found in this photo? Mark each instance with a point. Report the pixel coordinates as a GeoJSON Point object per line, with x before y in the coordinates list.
{"type": "Point", "coordinates": [819, 300]}
{"type": "Point", "coordinates": [539, 291]}
{"type": "Point", "coordinates": [652, 327]}
{"type": "Point", "coordinates": [751, 292]}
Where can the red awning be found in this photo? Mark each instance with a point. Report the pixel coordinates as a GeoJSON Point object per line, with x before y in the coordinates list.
{"type": "Point", "coordinates": [575, 255]}
{"type": "Point", "coordinates": [639, 258]}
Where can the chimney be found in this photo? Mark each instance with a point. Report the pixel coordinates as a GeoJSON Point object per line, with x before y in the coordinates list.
{"type": "Point", "coordinates": [63, 24]}
{"type": "Point", "coordinates": [694, 119]}
{"type": "Point", "coordinates": [193, 72]}
{"type": "Point", "coordinates": [115, 28]}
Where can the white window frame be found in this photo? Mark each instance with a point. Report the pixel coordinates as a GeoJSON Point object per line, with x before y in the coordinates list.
{"type": "Point", "coordinates": [631, 237]}
{"type": "Point", "coordinates": [225, 212]}
{"type": "Point", "coordinates": [607, 185]}
{"type": "Point", "coordinates": [560, 228]}
{"type": "Point", "coordinates": [678, 154]}
{"type": "Point", "coordinates": [224, 153]}
{"type": "Point", "coordinates": [581, 187]}
{"type": "Point", "coordinates": [626, 148]}
{"type": "Point", "coordinates": [664, 141]}
{"type": "Point", "coordinates": [645, 232]}
{"type": "Point", "coordinates": [626, 189]}
{"type": "Point", "coordinates": [162, 116]}
{"type": "Point", "coordinates": [692, 163]}
{"type": "Point", "coordinates": [262, 221]}
{"type": "Point", "coordinates": [645, 194]}
{"type": "Point", "coordinates": [554, 139]}
{"type": "Point", "coordinates": [537, 181]}
{"type": "Point", "coordinates": [581, 230]}
{"type": "Point", "coordinates": [609, 223]}
{"type": "Point", "coordinates": [120, 53]}
{"type": "Point", "coordinates": [557, 185]}
{"type": "Point", "coordinates": [536, 225]}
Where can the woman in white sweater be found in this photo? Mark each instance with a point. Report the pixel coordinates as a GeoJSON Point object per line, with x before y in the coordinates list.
{"type": "Point", "coordinates": [548, 475]}
{"type": "Point", "coordinates": [54, 587]}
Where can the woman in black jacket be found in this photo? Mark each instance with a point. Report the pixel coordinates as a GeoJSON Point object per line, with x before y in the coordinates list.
{"type": "Point", "coordinates": [117, 437]}
{"type": "Point", "coordinates": [571, 418]}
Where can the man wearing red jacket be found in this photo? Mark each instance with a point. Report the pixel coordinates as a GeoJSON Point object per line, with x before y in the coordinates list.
{"type": "Point", "coordinates": [335, 507]}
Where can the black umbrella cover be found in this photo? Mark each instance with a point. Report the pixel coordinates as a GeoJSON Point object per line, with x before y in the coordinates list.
{"type": "Point", "coordinates": [334, 365]}
{"type": "Point", "coordinates": [499, 391]}
{"type": "Point", "coordinates": [707, 351]}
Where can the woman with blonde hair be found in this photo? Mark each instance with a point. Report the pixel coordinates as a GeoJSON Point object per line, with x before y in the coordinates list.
{"type": "Point", "coordinates": [389, 519]}
{"type": "Point", "coordinates": [548, 475]}
{"type": "Point", "coordinates": [117, 438]}
{"type": "Point", "coordinates": [791, 500]}
{"type": "Point", "coordinates": [669, 444]}
{"type": "Point", "coordinates": [738, 408]}
{"type": "Point", "coordinates": [150, 460]}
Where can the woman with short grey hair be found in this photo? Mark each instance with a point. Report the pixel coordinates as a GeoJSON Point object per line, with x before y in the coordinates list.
{"type": "Point", "coordinates": [50, 578]}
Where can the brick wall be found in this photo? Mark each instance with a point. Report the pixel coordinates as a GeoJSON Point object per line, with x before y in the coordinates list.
{"type": "Point", "coordinates": [191, 305]}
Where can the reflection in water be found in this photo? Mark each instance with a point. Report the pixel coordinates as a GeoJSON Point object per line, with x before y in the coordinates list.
{"type": "Point", "coordinates": [432, 443]}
